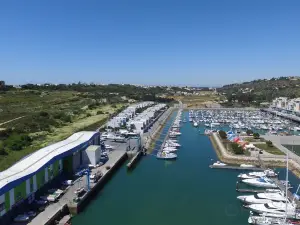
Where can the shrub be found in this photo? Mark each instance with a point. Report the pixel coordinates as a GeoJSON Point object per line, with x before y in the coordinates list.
{"type": "Point", "coordinates": [249, 132]}
{"type": "Point", "coordinates": [88, 114]}
{"type": "Point", "coordinates": [44, 114]}
{"type": "Point", "coordinates": [237, 149]}
{"type": "Point", "coordinates": [222, 134]}
{"type": "Point", "coordinates": [99, 112]}
{"type": "Point", "coordinates": [256, 135]}
{"type": "Point", "coordinates": [91, 106]}
{"type": "Point", "coordinates": [2, 149]}
{"type": "Point", "coordinates": [269, 143]}
{"type": "Point", "coordinates": [17, 142]}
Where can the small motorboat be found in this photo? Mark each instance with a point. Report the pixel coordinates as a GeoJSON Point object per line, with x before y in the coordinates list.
{"type": "Point", "coordinates": [247, 166]}
{"type": "Point", "coordinates": [218, 163]}
{"type": "Point", "coordinates": [166, 155]}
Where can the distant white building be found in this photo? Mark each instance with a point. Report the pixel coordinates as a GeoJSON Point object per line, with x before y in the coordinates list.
{"type": "Point", "coordinates": [287, 104]}
{"type": "Point", "coordinates": [127, 114]}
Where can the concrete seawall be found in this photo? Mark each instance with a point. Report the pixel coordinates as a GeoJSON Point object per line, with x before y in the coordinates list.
{"type": "Point", "coordinates": [76, 208]}
{"type": "Point", "coordinates": [227, 157]}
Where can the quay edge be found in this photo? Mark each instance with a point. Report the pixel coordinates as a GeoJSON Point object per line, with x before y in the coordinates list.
{"type": "Point", "coordinates": [74, 208]}
{"type": "Point", "coordinates": [222, 154]}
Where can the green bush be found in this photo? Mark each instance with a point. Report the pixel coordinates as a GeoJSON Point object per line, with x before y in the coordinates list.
{"type": "Point", "coordinates": [99, 112]}
{"type": "Point", "coordinates": [237, 149]}
{"type": "Point", "coordinates": [88, 114]}
{"type": "Point", "coordinates": [256, 135]}
{"type": "Point", "coordinates": [17, 142]}
{"type": "Point", "coordinates": [269, 143]}
{"type": "Point", "coordinates": [222, 134]}
{"type": "Point", "coordinates": [2, 149]}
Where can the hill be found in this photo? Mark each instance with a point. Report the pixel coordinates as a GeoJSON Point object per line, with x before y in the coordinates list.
{"type": "Point", "coordinates": [262, 90]}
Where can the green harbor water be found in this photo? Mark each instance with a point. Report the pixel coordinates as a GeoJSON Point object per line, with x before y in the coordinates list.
{"type": "Point", "coordinates": [185, 191]}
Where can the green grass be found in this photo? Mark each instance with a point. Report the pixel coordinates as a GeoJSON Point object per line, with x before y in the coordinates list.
{"type": "Point", "coordinates": [272, 150]}
{"type": "Point", "coordinates": [251, 139]}
{"type": "Point", "coordinates": [56, 101]}
{"type": "Point", "coordinates": [18, 103]}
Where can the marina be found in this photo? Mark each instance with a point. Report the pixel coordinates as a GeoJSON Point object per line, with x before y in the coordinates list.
{"type": "Point", "coordinates": [192, 167]}
{"type": "Point", "coordinates": [239, 121]}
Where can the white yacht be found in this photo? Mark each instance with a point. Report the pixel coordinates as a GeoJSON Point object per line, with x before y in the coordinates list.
{"type": "Point", "coordinates": [173, 143]}
{"type": "Point", "coordinates": [170, 149]}
{"type": "Point", "coordinates": [195, 124]}
{"type": "Point", "coordinates": [274, 208]}
{"type": "Point", "coordinates": [175, 133]}
{"type": "Point", "coordinates": [166, 155]}
{"type": "Point", "coordinates": [266, 173]}
{"type": "Point", "coordinates": [260, 182]}
{"type": "Point", "coordinates": [296, 128]}
{"type": "Point", "coordinates": [247, 166]}
{"type": "Point", "coordinates": [263, 220]}
{"type": "Point", "coordinates": [262, 198]}
{"type": "Point", "coordinates": [218, 163]}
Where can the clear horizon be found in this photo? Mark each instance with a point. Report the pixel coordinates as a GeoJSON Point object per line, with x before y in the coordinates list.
{"type": "Point", "coordinates": [185, 43]}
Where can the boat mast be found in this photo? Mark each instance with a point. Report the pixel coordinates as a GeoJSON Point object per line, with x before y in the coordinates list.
{"type": "Point", "coordinates": [286, 184]}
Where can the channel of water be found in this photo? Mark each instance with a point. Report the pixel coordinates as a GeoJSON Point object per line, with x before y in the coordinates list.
{"type": "Point", "coordinates": [185, 191]}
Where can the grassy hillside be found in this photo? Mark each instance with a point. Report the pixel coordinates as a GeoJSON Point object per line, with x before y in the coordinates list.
{"type": "Point", "coordinates": [263, 90]}
{"type": "Point", "coordinates": [31, 119]}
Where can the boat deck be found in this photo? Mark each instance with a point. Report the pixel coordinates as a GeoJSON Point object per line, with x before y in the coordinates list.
{"type": "Point", "coordinates": [237, 168]}
{"type": "Point", "coordinates": [250, 190]}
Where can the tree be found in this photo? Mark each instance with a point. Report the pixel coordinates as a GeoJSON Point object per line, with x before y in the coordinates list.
{"type": "Point", "coordinates": [249, 132]}
{"type": "Point", "coordinates": [256, 135]}
{"type": "Point", "coordinates": [269, 143]}
{"type": "Point", "coordinates": [237, 149]}
{"type": "Point", "coordinates": [222, 134]}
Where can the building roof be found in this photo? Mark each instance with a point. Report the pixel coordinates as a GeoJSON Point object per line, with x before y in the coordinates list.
{"type": "Point", "coordinates": [39, 159]}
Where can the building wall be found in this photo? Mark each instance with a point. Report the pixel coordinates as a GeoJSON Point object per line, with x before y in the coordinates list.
{"type": "Point", "coordinates": [26, 188]}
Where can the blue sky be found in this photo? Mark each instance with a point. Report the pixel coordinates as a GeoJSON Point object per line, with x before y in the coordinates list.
{"type": "Point", "coordinates": [201, 42]}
